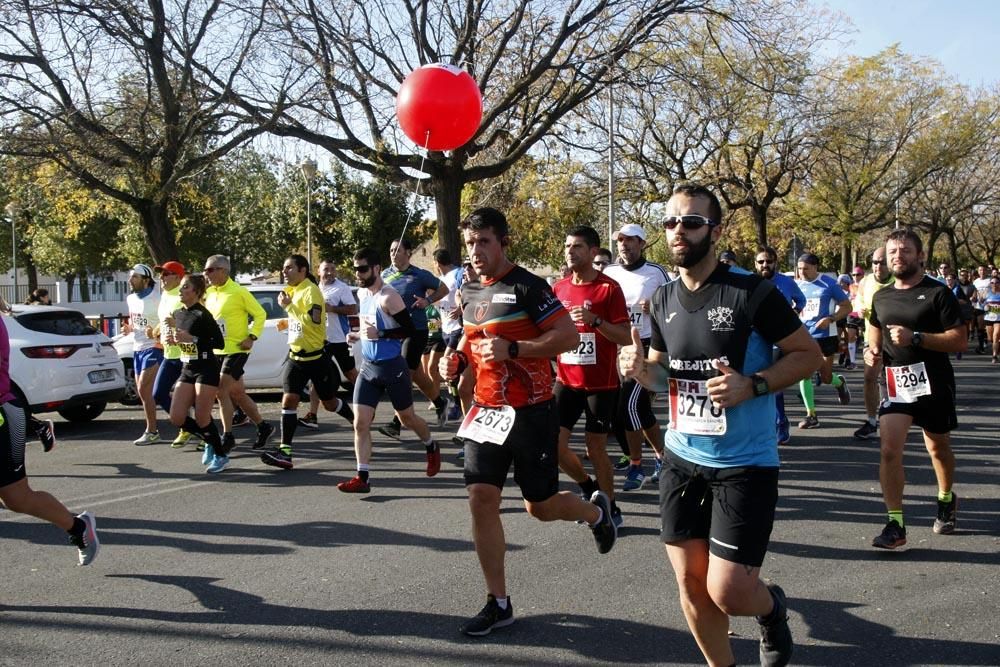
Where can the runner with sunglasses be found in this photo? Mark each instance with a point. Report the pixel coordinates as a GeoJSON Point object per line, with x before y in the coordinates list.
{"type": "Point", "coordinates": [634, 419]}
{"type": "Point", "coordinates": [879, 278]}
{"type": "Point", "coordinates": [991, 304]}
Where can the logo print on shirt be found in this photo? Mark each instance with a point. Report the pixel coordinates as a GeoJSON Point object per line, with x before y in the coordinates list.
{"type": "Point", "coordinates": [505, 298]}
{"type": "Point", "coordinates": [480, 312]}
{"type": "Point", "coordinates": [721, 319]}
{"type": "Point", "coordinates": [669, 317]}
{"type": "Point", "coordinates": [921, 297]}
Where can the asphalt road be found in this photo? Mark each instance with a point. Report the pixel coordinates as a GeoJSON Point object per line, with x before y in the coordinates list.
{"type": "Point", "coordinates": [268, 567]}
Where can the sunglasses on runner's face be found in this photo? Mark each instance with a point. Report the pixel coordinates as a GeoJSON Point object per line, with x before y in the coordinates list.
{"type": "Point", "coordinates": [763, 262]}
{"type": "Point", "coordinates": [688, 222]}
{"type": "Point", "coordinates": [362, 269]}
{"type": "Point", "coordinates": [601, 263]}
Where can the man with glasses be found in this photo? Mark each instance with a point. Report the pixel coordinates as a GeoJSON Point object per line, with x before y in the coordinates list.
{"type": "Point", "coordinates": [915, 324]}
{"type": "Point", "coordinates": [602, 259]}
{"type": "Point", "coordinates": [385, 323]}
{"type": "Point", "coordinates": [147, 354]}
{"type": "Point", "coordinates": [982, 285]}
{"type": "Point", "coordinates": [635, 421]}
{"type": "Point", "coordinates": [766, 262]}
{"type": "Point", "coordinates": [879, 278]}
{"type": "Point", "coordinates": [825, 304]}
{"type": "Point", "coordinates": [241, 319]}
{"type": "Point", "coordinates": [711, 351]}
{"type": "Point", "coordinates": [966, 301]}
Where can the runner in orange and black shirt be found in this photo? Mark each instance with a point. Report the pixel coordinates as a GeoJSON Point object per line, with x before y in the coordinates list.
{"type": "Point", "coordinates": [513, 326]}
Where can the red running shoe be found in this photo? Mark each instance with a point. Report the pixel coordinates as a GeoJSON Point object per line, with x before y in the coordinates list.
{"type": "Point", "coordinates": [434, 461]}
{"type": "Point", "coordinates": [355, 485]}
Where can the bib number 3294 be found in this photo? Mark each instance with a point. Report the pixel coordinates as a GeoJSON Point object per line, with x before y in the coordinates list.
{"type": "Point", "coordinates": [484, 424]}
{"type": "Point", "coordinates": [692, 411]}
{"type": "Point", "coordinates": [905, 384]}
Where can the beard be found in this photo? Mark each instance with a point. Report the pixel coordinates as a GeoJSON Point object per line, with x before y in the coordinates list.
{"type": "Point", "coordinates": [906, 272]}
{"type": "Point", "coordinates": [767, 271]}
{"type": "Point", "coordinates": [694, 253]}
{"type": "Point", "coordinates": [369, 281]}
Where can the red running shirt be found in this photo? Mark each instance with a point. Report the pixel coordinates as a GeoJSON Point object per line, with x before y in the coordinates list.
{"type": "Point", "coordinates": [592, 365]}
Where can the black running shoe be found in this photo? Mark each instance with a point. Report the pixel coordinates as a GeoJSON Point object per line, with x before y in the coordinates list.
{"type": "Point", "coordinates": [391, 430]}
{"type": "Point", "coordinates": [264, 431]}
{"type": "Point", "coordinates": [45, 432]}
{"type": "Point", "coordinates": [843, 392]}
{"type": "Point", "coordinates": [893, 535]}
{"type": "Point", "coordinates": [866, 432]}
{"type": "Point", "coordinates": [277, 458]}
{"type": "Point", "coordinates": [309, 421]}
{"type": "Point", "coordinates": [605, 532]}
{"type": "Point", "coordinates": [490, 618]}
{"type": "Point", "coordinates": [240, 418]}
{"type": "Point", "coordinates": [87, 541]}
{"type": "Point", "coordinates": [775, 637]}
{"type": "Point", "coordinates": [944, 524]}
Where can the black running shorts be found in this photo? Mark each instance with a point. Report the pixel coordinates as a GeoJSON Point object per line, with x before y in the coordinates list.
{"type": "Point", "coordinates": [12, 445]}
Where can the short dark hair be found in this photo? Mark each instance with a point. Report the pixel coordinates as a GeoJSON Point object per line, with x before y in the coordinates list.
{"type": "Point", "coordinates": [369, 256]}
{"type": "Point", "coordinates": [767, 250]}
{"type": "Point", "coordinates": [443, 257]}
{"type": "Point", "coordinates": [904, 234]}
{"type": "Point", "coordinates": [406, 243]}
{"type": "Point", "coordinates": [691, 189]}
{"type": "Point", "coordinates": [588, 234]}
{"type": "Point", "coordinates": [487, 218]}
{"type": "Point", "coordinates": [604, 251]}
{"type": "Point", "coordinates": [809, 258]}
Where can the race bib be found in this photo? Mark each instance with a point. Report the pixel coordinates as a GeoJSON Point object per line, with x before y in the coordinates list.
{"type": "Point", "coordinates": [811, 311]}
{"type": "Point", "coordinates": [189, 351]}
{"type": "Point", "coordinates": [636, 316]}
{"type": "Point", "coordinates": [484, 424]}
{"type": "Point", "coordinates": [138, 321]}
{"type": "Point", "coordinates": [294, 331]}
{"type": "Point", "coordinates": [692, 412]}
{"type": "Point", "coordinates": [905, 384]}
{"type": "Point", "coordinates": [585, 353]}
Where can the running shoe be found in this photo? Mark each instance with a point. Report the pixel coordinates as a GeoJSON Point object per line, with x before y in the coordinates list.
{"type": "Point", "coordinates": [944, 524]}
{"type": "Point", "coordinates": [455, 413]}
{"type": "Point", "coordinates": [843, 393]}
{"type": "Point", "coordinates": [605, 532]}
{"type": "Point", "coordinates": [783, 433]}
{"type": "Point", "coordinates": [207, 455]}
{"type": "Point", "coordinates": [441, 415]}
{"type": "Point", "coordinates": [850, 366]}
{"type": "Point", "coordinates": [354, 485]}
{"type": "Point", "coordinates": [87, 541]}
{"type": "Point", "coordinates": [811, 421]}
{"type": "Point", "coordinates": [309, 421]}
{"type": "Point", "coordinates": [45, 431]}
{"type": "Point", "coordinates": [181, 440]}
{"type": "Point", "coordinates": [616, 518]}
{"type": "Point", "coordinates": [489, 619]}
{"type": "Point", "coordinates": [775, 637]}
{"type": "Point", "coordinates": [228, 444]}
{"type": "Point", "coordinates": [264, 431]}
{"type": "Point", "coordinates": [434, 461]}
{"type": "Point", "coordinates": [866, 432]}
{"type": "Point", "coordinates": [634, 479]}
{"type": "Point", "coordinates": [240, 418]}
{"type": "Point", "coordinates": [219, 463]}
{"type": "Point", "coordinates": [147, 438]}
{"type": "Point", "coordinates": [657, 468]}
{"type": "Point", "coordinates": [390, 430]}
{"type": "Point", "coordinates": [893, 535]}
{"type": "Point", "coordinates": [623, 462]}
{"type": "Point", "coordinates": [277, 458]}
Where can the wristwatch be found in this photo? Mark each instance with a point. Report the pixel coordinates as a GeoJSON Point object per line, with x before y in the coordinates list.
{"type": "Point", "coordinates": [759, 385]}
{"type": "Point", "coordinates": [251, 337]}
{"type": "Point", "coordinates": [597, 322]}
{"type": "Point", "coordinates": [918, 339]}
{"type": "Point", "coordinates": [512, 350]}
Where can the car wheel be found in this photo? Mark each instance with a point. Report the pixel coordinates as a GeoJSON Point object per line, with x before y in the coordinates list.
{"type": "Point", "coordinates": [131, 395]}
{"type": "Point", "coordinates": [83, 413]}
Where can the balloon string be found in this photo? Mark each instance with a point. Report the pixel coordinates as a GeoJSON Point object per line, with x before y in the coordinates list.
{"type": "Point", "coordinates": [416, 191]}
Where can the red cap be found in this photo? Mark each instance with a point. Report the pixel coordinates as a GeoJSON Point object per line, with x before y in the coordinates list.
{"type": "Point", "coordinates": [171, 267]}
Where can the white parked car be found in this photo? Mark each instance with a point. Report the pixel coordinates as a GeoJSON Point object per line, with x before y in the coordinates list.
{"type": "Point", "coordinates": [264, 369]}
{"type": "Point", "coordinates": [59, 362]}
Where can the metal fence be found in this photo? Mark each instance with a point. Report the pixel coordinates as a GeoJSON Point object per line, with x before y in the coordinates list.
{"type": "Point", "coordinates": [7, 292]}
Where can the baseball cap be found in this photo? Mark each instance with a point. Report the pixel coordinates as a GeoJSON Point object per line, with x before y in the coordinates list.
{"type": "Point", "coordinates": [173, 267]}
{"type": "Point", "coordinates": [844, 278]}
{"type": "Point", "coordinates": [142, 270]}
{"type": "Point", "coordinates": [728, 256]}
{"type": "Point", "coordinates": [631, 229]}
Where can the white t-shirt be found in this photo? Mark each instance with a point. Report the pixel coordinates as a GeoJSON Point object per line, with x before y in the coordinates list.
{"type": "Point", "coordinates": [638, 285]}
{"type": "Point", "coordinates": [982, 286]}
{"type": "Point", "coordinates": [142, 313]}
{"type": "Point", "coordinates": [453, 281]}
{"type": "Point", "coordinates": [337, 293]}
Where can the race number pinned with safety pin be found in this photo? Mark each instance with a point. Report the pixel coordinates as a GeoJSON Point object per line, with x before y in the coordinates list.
{"type": "Point", "coordinates": [484, 424]}
{"type": "Point", "coordinates": [585, 353]}
{"type": "Point", "coordinates": [905, 384]}
{"type": "Point", "coordinates": [692, 411]}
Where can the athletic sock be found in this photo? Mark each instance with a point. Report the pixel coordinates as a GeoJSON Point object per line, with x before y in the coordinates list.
{"type": "Point", "coordinates": [363, 471]}
{"type": "Point", "coordinates": [501, 602]}
{"type": "Point", "coordinates": [600, 517]}
{"type": "Point", "coordinates": [873, 421]}
{"type": "Point", "coordinates": [852, 351]}
{"type": "Point", "coordinates": [344, 410]}
{"type": "Point", "coordinates": [945, 496]}
{"type": "Point", "coordinates": [78, 527]}
{"type": "Point", "coordinates": [398, 424]}
{"type": "Point", "coordinates": [588, 486]}
{"type": "Point", "coordinates": [289, 422]}
{"type": "Point", "coordinates": [440, 402]}
{"type": "Point", "coordinates": [897, 516]}
{"type": "Point", "coordinates": [210, 432]}
{"type": "Point", "coordinates": [430, 445]}
{"type": "Point", "coordinates": [772, 616]}
{"type": "Point", "coordinates": [808, 395]}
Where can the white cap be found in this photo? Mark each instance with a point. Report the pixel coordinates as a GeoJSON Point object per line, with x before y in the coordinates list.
{"type": "Point", "coordinates": [631, 229]}
{"type": "Point", "coordinates": [142, 270]}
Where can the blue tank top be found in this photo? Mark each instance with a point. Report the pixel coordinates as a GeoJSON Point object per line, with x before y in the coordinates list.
{"type": "Point", "coordinates": [370, 313]}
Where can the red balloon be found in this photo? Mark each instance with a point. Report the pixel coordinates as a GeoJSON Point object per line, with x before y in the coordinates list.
{"type": "Point", "coordinates": [439, 106]}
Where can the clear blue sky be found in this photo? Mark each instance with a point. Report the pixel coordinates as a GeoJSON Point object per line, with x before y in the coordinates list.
{"type": "Point", "coordinates": [960, 34]}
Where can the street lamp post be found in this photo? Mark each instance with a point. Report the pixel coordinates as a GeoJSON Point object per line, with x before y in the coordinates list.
{"type": "Point", "coordinates": [308, 168]}
{"type": "Point", "coordinates": [13, 209]}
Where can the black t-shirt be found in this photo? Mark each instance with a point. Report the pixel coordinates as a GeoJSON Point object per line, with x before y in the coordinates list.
{"type": "Point", "coordinates": [197, 321]}
{"type": "Point", "coordinates": [929, 306]}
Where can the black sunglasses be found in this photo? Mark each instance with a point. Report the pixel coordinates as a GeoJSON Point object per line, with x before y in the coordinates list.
{"type": "Point", "coordinates": [689, 222]}
{"type": "Point", "coordinates": [598, 262]}
{"type": "Point", "coordinates": [765, 261]}
{"type": "Point", "coordinates": [361, 269]}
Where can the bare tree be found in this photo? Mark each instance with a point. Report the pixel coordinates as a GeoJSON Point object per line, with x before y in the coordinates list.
{"type": "Point", "coordinates": [534, 63]}
{"type": "Point", "coordinates": [110, 91]}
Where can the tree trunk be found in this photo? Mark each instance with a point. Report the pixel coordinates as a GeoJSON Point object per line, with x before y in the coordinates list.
{"type": "Point", "coordinates": [158, 232]}
{"type": "Point", "coordinates": [448, 206]}
{"type": "Point", "coordinates": [32, 272]}
{"type": "Point", "coordinates": [845, 257]}
{"type": "Point", "coordinates": [70, 278]}
{"type": "Point", "coordinates": [759, 214]}
{"type": "Point", "coordinates": [84, 287]}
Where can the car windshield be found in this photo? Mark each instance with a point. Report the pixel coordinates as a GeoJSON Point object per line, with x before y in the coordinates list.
{"type": "Point", "coordinates": [269, 301]}
{"type": "Point", "coordinates": [59, 322]}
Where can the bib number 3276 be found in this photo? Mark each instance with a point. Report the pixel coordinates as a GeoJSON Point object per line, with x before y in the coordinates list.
{"type": "Point", "coordinates": [905, 384]}
{"type": "Point", "coordinates": [484, 424]}
{"type": "Point", "coordinates": [692, 411]}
